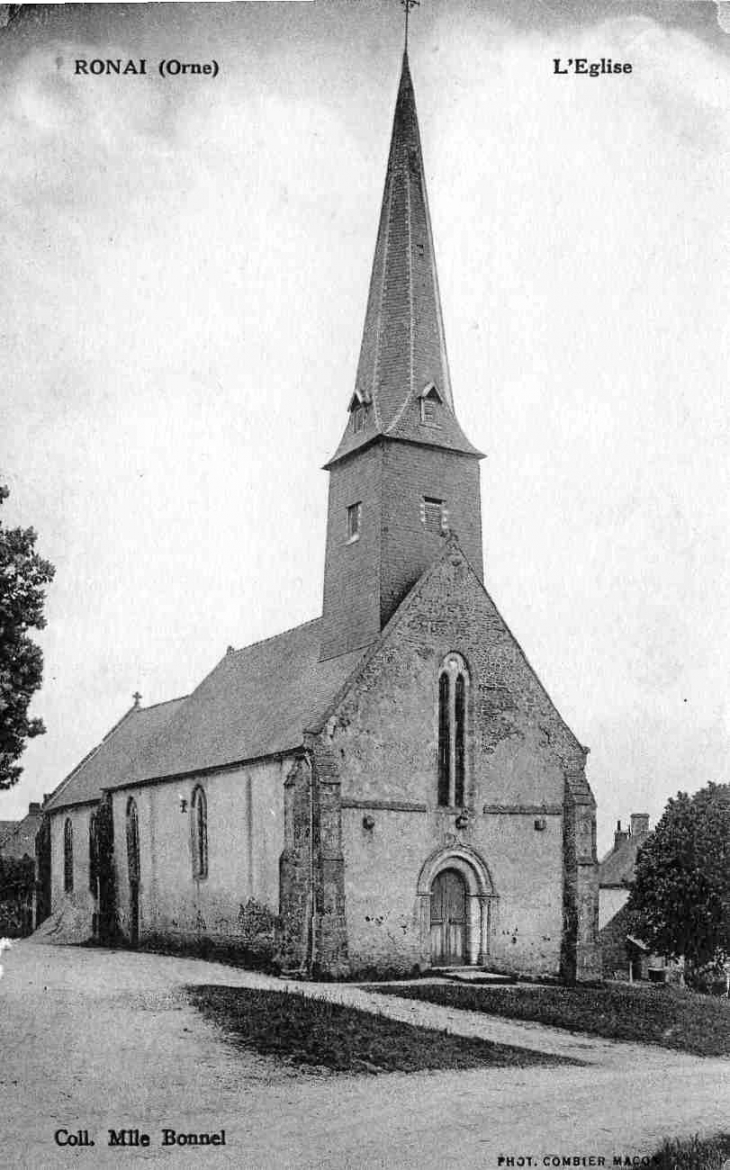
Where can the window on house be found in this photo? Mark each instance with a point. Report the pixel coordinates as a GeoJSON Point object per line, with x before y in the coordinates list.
{"type": "Point", "coordinates": [354, 518]}
{"type": "Point", "coordinates": [433, 514]}
{"type": "Point", "coordinates": [358, 418]}
{"type": "Point", "coordinates": [452, 720]}
{"type": "Point", "coordinates": [68, 856]}
{"type": "Point", "coordinates": [199, 809]}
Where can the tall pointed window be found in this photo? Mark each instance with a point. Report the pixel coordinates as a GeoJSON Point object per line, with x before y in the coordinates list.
{"type": "Point", "coordinates": [199, 809]}
{"type": "Point", "coordinates": [93, 853]}
{"type": "Point", "coordinates": [68, 856]}
{"type": "Point", "coordinates": [452, 720]}
{"type": "Point", "coordinates": [132, 841]}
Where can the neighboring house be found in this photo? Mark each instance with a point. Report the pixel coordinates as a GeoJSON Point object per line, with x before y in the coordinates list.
{"type": "Point", "coordinates": [625, 955]}
{"type": "Point", "coordinates": [389, 785]}
{"type": "Point", "coordinates": [17, 880]}
{"type": "Point", "coordinates": [5, 828]}
{"type": "Point", "coordinates": [618, 868]}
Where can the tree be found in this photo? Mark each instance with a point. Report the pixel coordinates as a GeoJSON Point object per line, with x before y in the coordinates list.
{"type": "Point", "coordinates": [680, 900]}
{"type": "Point", "coordinates": [23, 578]}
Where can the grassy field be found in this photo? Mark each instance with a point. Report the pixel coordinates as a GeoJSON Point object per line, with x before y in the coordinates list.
{"type": "Point", "coordinates": [693, 1154]}
{"type": "Point", "coordinates": [314, 1032]}
{"type": "Point", "coordinates": [668, 1016]}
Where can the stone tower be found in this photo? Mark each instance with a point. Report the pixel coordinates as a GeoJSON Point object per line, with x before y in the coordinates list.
{"type": "Point", "coordinates": [404, 474]}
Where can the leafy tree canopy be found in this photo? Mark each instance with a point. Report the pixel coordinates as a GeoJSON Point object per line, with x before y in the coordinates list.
{"type": "Point", "coordinates": [680, 900]}
{"type": "Point", "coordinates": [23, 578]}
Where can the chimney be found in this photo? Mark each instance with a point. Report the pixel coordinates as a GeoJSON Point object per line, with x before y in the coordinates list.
{"type": "Point", "coordinates": [34, 808]}
{"type": "Point", "coordinates": [46, 797]}
{"type": "Point", "coordinates": [639, 824]}
{"type": "Point", "coordinates": [620, 836]}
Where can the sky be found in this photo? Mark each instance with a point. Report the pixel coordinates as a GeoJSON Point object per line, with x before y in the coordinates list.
{"type": "Point", "coordinates": [185, 268]}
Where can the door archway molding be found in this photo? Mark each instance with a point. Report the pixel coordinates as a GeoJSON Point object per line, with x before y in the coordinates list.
{"type": "Point", "coordinates": [481, 899]}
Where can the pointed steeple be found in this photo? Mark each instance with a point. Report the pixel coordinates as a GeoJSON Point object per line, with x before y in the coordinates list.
{"type": "Point", "coordinates": [403, 353]}
{"type": "Point", "coordinates": [405, 475]}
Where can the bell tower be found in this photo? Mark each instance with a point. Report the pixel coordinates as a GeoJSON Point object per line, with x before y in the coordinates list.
{"type": "Point", "coordinates": [404, 474]}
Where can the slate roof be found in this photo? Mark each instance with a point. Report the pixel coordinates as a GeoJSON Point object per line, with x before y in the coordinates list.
{"type": "Point", "coordinates": [618, 867]}
{"type": "Point", "coordinates": [113, 759]}
{"type": "Point", "coordinates": [256, 702]}
{"type": "Point", "coordinates": [6, 827]}
{"type": "Point", "coordinates": [20, 842]}
{"type": "Point", "coordinates": [403, 346]}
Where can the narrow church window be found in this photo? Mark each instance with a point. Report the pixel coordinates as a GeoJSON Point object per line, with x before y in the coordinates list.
{"type": "Point", "coordinates": [444, 741]}
{"type": "Point", "coordinates": [459, 739]}
{"type": "Point", "coordinates": [132, 841]}
{"type": "Point", "coordinates": [93, 853]}
{"type": "Point", "coordinates": [354, 516]}
{"type": "Point", "coordinates": [433, 515]}
{"type": "Point", "coordinates": [200, 833]}
{"type": "Point", "coordinates": [68, 856]}
{"type": "Point", "coordinates": [452, 717]}
{"type": "Point", "coordinates": [358, 418]}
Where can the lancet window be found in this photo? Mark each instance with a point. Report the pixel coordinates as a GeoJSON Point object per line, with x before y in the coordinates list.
{"type": "Point", "coordinates": [452, 731]}
{"type": "Point", "coordinates": [68, 856]}
{"type": "Point", "coordinates": [199, 809]}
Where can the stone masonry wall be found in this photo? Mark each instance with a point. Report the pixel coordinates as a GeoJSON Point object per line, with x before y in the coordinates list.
{"type": "Point", "coordinates": [525, 781]}
{"type": "Point", "coordinates": [238, 902]}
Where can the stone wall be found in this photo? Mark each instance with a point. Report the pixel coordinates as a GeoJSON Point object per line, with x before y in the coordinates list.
{"type": "Point", "coordinates": [366, 579]}
{"type": "Point", "coordinates": [80, 903]}
{"type": "Point", "coordinates": [530, 816]}
{"type": "Point", "coordinates": [237, 903]}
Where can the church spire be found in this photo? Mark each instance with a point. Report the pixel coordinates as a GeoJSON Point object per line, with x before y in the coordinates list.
{"type": "Point", "coordinates": [403, 353]}
{"type": "Point", "coordinates": [404, 475]}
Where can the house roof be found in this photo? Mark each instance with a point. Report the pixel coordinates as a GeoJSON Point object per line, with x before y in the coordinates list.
{"type": "Point", "coordinates": [403, 346]}
{"type": "Point", "coordinates": [6, 827]}
{"type": "Point", "coordinates": [20, 842]}
{"type": "Point", "coordinates": [256, 702]}
{"type": "Point", "coordinates": [113, 759]}
{"type": "Point", "coordinates": [618, 868]}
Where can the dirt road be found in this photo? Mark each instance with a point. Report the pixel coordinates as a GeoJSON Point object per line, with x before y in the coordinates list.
{"type": "Point", "coordinates": [97, 1041]}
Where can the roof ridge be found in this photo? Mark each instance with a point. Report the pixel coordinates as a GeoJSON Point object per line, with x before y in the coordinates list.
{"type": "Point", "coordinates": [273, 637]}
{"type": "Point", "coordinates": [163, 703]}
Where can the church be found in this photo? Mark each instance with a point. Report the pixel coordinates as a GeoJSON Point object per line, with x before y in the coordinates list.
{"type": "Point", "coordinates": [389, 786]}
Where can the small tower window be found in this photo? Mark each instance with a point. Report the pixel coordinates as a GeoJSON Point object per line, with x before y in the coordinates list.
{"type": "Point", "coordinates": [358, 408]}
{"type": "Point", "coordinates": [452, 720]}
{"type": "Point", "coordinates": [430, 404]}
{"type": "Point", "coordinates": [68, 856]}
{"type": "Point", "coordinates": [434, 515]}
{"type": "Point", "coordinates": [199, 809]}
{"type": "Point", "coordinates": [354, 519]}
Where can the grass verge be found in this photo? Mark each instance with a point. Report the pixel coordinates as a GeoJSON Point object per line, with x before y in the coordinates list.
{"type": "Point", "coordinates": [668, 1016]}
{"type": "Point", "coordinates": [317, 1033]}
{"type": "Point", "coordinates": [693, 1154]}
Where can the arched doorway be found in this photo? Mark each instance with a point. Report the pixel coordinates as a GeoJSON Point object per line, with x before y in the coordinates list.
{"type": "Point", "coordinates": [133, 869]}
{"type": "Point", "coordinates": [448, 919]}
{"type": "Point", "coordinates": [456, 907]}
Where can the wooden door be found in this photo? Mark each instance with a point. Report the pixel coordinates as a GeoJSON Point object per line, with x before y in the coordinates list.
{"type": "Point", "coordinates": [448, 919]}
